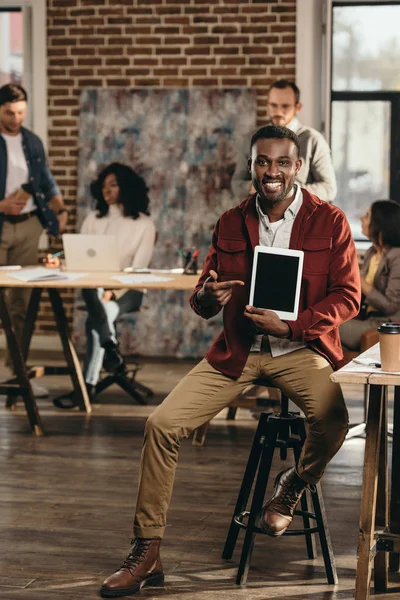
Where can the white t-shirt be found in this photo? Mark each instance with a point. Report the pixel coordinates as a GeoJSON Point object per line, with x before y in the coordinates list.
{"type": "Point", "coordinates": [17, 169]}
{"type": "Point", "coordinates": [135, 237]}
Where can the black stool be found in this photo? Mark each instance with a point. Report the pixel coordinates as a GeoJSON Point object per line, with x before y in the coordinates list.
{"type": "Point", "coordinates": [284, 430]}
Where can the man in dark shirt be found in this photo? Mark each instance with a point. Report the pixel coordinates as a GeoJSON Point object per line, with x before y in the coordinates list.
{"type": "Point", "coordinates": [29, 197]}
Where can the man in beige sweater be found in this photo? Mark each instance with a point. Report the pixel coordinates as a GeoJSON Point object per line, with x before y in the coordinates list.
{"type": "Point", "coordinates": [316, 174]}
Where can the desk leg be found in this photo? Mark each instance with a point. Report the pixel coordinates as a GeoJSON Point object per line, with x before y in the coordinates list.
{"type": "Point", "coordinates": [369, 493]}
{"type": "Point", "coordinates": [19, 368]}
{"type": "Point", "coordinates": [381, 561]}
{"type": "Point", "coordinates": [395, 496]}
{"type": "Point", "coordinates": [69, 351]}
{"type": "Point", "coordinates": [27, 333]}
{"type": "Point", "coordinates": [30, 322]}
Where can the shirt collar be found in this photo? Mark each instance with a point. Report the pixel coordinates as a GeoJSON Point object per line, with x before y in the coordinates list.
{"type": "Point", "coordinates": [291, 210]}
{"type": "Point", "coordinates": [294, 124]}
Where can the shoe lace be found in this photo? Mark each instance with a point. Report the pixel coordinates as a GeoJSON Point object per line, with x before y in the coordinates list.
{"type": "Point", "coordinates": [291, 493]}
{"type": "Point", "coordinates": [136, 555]}
{"type": "Point", "coordinates": [290, 496]}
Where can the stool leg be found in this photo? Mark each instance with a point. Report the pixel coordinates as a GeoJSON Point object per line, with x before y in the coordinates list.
{"type": "Point", "coordinates": [258, 498]}
{"type": "Point", "coordinates": [322, 523]}
{"type": "Point", "coordinates": [311, 543]}
{"type": "Point", "coordinates": [232, 410]}
{"type": "Point", "coordinates": [245, 488]}
{"type": "Point", "coordinates": [324, 536]}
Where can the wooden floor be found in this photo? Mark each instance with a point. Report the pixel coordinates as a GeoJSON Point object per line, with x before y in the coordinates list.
{"type": "Point", "coordinates": [67, 500]}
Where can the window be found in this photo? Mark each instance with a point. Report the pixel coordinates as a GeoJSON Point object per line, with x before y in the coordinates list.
{"type": "Point", "coordinates": [23, 56]}
{"type": "Point", "coordinates": [11, 45]}
{"type": "Point", "coordinates": [365, 47]}
{"type": "Point", "coordinates": [364, 104]}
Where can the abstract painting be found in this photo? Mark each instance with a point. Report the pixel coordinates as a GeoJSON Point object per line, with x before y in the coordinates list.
{"type": "Point", "coordinates": [187, 144]}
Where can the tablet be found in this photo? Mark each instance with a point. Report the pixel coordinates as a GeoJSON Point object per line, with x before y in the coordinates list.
{"type": "Point", "coordinates": [276, 280]}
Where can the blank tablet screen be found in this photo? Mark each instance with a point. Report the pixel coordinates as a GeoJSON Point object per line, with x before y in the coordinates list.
{"type": "Point", "coordinates": [275, 283]}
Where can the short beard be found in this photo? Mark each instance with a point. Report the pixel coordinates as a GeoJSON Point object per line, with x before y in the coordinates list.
{"type": "Point", "coordinates": [273, 201]}
{"type": "Point", "coordinates": [9, 129]}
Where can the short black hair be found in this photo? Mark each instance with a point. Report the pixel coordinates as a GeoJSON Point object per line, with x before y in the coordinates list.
{"type": "Point", "coordinates": [384, 225]}
{"type": "Point", "coordinates": [11, 92]}
{"type": "Point", "coordinates": [282, 84]}
{"type": "Point", "coordinates": [275, 132]}
{"type": "Point", "coordinates": [133, 191]}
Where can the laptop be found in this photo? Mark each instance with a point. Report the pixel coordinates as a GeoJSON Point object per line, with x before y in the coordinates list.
{"type": "Point", "coordinates": [86, 252]}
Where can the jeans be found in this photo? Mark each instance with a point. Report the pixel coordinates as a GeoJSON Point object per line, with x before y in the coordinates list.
{"type": "Point", "coordinates": [100, 326]}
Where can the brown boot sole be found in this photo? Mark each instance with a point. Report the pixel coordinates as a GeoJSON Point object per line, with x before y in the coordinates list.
{"type": "Point", "coordinates": [150, 581]}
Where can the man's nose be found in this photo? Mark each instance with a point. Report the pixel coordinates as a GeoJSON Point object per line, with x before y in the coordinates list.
{"type": "Point", "coordinates": [272, 169]}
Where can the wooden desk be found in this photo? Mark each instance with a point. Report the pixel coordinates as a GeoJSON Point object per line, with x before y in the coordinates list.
{"type": "Point", "coordinates": [379, 514]}
{"type": "Point", "coordinates": [20, 384]}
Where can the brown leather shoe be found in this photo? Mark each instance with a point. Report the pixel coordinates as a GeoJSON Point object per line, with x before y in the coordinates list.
{"type": "Point", "coordinates": [277, 514]}
{"type": "Point", "coordinates": [141, 567]}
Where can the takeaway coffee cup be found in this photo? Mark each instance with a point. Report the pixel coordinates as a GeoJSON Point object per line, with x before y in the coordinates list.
{"type": "Point", "coordinates": [389, 342]}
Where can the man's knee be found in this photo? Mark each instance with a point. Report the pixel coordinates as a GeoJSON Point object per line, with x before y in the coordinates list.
{"type": "Point", "coordinates": [159, 424]}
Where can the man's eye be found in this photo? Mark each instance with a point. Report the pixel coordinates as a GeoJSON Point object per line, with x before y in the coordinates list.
{"type": "Point", "coordinates": [261, 161]}
{"type": "Point", "coordinates": [284, 163]}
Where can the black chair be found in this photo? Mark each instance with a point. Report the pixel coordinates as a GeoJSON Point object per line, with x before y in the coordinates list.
{"type": "Point", "coordinates": [125, 376]}
{"type": "Point", "coordinates": [285, 431]}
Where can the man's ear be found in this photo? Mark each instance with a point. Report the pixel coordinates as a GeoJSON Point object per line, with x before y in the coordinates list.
{"type": "Point", "coordinates": [299, 163]}
{"type": "Point", "coordinates": [298, 107]}
{"type": "Point", "coordinates": [249, 165]}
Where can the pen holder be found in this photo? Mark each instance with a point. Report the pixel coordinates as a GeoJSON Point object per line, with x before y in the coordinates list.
{"type": "Point", "coordinates": [190, 266]}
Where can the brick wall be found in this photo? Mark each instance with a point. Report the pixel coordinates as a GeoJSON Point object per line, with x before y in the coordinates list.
{"type": "Point", "coordinates": [157, 43]}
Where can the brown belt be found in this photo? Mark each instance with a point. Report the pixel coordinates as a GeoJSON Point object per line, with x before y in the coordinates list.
{"type": "Point", "coordinates": [19, 218]}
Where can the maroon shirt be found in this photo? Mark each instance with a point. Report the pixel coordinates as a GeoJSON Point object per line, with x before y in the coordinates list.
{"type": "Point", "coordinates": [330, 287]}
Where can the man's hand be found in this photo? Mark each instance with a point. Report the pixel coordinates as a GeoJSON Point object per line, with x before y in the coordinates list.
{"type": "Point", "coordinates": [214, 292]}
{"type": "Point", "coordinates": [14, 203]}
{"type": "Point", "coordinates": [266, 321]}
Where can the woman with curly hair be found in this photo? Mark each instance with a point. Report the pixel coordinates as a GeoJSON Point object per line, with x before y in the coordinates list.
{"type": "Point", "coordinates": [121, 209]}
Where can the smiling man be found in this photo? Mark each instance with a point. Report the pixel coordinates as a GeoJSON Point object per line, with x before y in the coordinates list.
{"type": "Point", "coordinates": [297, 356]}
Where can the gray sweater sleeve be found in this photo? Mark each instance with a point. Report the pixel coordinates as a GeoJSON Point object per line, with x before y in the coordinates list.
{"type": "Point", "coordinates": [321, 180]}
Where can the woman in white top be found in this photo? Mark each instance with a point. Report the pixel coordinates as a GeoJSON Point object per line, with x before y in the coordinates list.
{"type": "Point", "coordinates": [122, 209]}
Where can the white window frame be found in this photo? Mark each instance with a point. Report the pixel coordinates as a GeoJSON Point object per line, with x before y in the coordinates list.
{"type": "Point", "coordinates": [35, 62]}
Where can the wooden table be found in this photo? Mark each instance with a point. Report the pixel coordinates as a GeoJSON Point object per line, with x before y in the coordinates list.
{"type": "Point", "coordinates": [20, 384]}
{"type": "Point", "coordinates": [379, 513]}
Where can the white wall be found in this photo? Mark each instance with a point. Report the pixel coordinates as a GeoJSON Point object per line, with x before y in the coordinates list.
{"type": "Point", "coordinates": [309, 59]}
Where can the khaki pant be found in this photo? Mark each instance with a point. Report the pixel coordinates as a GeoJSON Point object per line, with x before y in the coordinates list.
{"type": "Point", "coordinates": [303, 375]}
{"type": "Point", "coordinates": [19, 246]}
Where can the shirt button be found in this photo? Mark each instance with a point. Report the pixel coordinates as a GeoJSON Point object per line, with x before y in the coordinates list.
{"type": "Point", "coordinates": [31, 179]}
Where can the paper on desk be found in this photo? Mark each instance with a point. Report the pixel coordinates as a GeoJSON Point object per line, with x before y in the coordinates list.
{"type": "Point", "coordinates": [141, 278]}
{"type": "Point", "coordinates": [43, 274]}
{"type": "Point", "coordinates": [356, 367]}
{"type": "Point", "coordinates": [10, 268]}
{"type": "Point", "coordinates": [178, 271]}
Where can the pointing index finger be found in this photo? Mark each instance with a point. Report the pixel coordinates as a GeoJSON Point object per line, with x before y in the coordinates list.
{"type": "Point", "coordinates": [228, 284]}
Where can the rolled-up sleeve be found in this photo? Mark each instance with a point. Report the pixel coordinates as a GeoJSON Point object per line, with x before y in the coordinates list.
{"type": "Point", "coordinates": [48, 185]}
